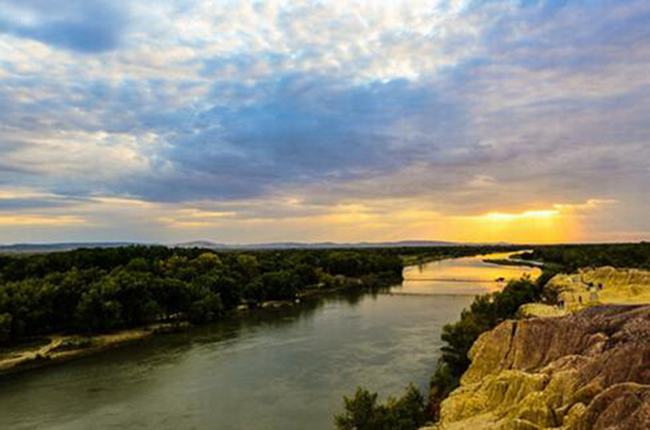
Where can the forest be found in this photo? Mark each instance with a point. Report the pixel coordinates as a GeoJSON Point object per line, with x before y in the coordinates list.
{"type": "Point", "coordinates": [104, 289]}
{"type": "Point", "coordinates": [96, 290]}
{"type": "Point", "coordinates": [568, 258]}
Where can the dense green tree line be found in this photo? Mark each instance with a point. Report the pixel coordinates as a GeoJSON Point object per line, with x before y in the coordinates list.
{"type": "Point", "coordinates": [92, 290]}
{"type": "Point", "coordinates": [571, 257]}
{"type": "Point", "coordinates": [101, 289]}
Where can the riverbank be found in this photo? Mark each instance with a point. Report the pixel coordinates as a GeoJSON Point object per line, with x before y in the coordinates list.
{"type": "Point", "coordinates": [512, 260]}
{"type": "Point", "coordinates": [59, 348]}
{"type": "Point", "coordinates": [458, 252]}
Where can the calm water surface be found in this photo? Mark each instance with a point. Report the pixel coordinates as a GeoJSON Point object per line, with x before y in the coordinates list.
{"type": "Point", "coordinates": [282, 369]}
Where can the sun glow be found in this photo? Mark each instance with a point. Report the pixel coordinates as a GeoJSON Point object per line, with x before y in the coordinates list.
{"type": "Point", "coordinates": [40, 220]}
{"type": "Point", "coordinates": [500, 216]}
{"type": "Point", "coordinates": [293, 219]}
{"type": "Point", "coordinates": [555, 224]}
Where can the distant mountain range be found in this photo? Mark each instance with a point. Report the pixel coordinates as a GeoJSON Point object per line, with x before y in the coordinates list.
{"type": "Point", "coordinates": [315, 245]}
{"type": "Point", "coordinates": [54, 247]}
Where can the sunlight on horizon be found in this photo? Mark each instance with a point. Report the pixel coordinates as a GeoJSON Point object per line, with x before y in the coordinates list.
{"type": "Point", "coordinates": [350, 222]}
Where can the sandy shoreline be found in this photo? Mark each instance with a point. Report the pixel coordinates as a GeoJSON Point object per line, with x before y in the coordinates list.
{"type": "Point", "coordinates": [60, 348]}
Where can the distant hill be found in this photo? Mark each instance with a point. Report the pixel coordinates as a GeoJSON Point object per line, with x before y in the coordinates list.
{"type": "Point", "coordinates": [34, 248]}
{"type": "Point", "coordinates": [315, 245]}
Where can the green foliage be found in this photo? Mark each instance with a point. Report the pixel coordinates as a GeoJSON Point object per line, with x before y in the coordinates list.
{"type": "Point", "coordinates": [571, 257]}
{"type": "Point", "coordinates": [5, 327]}
{"type": "Point", "coordinates": [364, 412]}
{"type": "Point", "coordinates": [90, 290]}
{"type": "Point", "coordinates": [207, 261]}
{"type": "Point", "coordinates": [206, 308]}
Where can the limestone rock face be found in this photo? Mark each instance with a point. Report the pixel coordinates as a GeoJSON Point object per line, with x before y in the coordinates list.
{"type": "Point", "coordinates": [603, 285]}
{"type": "Point", "coordinates": [588, 370]}
{"type": "Point", "coordinates": [530, 310]}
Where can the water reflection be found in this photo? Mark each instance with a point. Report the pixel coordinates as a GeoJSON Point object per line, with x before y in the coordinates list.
{"type": "Point", "coordinates": [461, 276]}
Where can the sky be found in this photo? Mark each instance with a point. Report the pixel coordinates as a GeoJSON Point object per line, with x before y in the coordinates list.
{"type": "Point", "coordinates": [265, 121]}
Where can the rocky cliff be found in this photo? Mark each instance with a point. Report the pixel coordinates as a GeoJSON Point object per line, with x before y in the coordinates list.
{"type": "Point", "coordinates": [590, 287]}
{"type": "Point", "coordinates": [601, 285]}
{"type": "Point", "coordinates": [588, 370]}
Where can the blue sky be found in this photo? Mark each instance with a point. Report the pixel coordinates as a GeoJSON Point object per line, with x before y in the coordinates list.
{"type": "Point", "coordinates": [344, 120]}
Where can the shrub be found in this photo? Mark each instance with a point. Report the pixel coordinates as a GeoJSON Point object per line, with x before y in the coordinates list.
{"type": "Point", "coordinates": [363, 412]}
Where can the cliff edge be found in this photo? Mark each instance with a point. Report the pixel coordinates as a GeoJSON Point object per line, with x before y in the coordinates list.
{"type": "Point", "coordinates": [591, 287]}
{"type": "Point", "coordinates": [587, 370]}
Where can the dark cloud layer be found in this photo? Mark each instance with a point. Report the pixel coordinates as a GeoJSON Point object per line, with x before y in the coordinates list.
{"type": "Point", "coordinates": [306, 130]}
{"type": "Point", "coordinates": [84, 26]}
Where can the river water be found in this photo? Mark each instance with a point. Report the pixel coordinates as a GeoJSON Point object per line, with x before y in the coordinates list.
{"type": "Point", "coordinates": [274, 369]}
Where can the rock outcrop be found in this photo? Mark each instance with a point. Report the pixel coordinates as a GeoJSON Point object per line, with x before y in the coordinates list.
{"type": "Point", "coordinates": [603, 285]}
{"type": "Point", "coordinates": [532, 310]}
{"type": "Point", "coordinates": [588, 370]}
{"type": "Point", "coordinates": [591, 287]}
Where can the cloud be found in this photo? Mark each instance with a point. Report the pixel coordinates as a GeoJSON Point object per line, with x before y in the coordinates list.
{"type": "Point", "coordinates": [307, 130]}
{"type": "Point", "coordinates": [84, 26]}
{"type": "Point", "coordinates": [22, 203]}
{"type": "Point", "coordinates": [449, 108]}
{"type": "Point", "coordinates": [38, 220]}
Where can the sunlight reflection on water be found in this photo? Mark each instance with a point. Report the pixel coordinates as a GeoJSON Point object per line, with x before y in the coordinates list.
{"type": "Point", "coordinates": [461, 276]}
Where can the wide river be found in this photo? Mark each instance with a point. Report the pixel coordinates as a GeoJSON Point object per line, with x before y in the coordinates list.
{"type": "Point", "coordinates": [277, 369]}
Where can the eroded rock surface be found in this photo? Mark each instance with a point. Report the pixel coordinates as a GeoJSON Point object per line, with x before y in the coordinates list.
{"type": "Point", "coordinates": [588, 370]}
{"type": "Point", "coordinates": [603, 285]}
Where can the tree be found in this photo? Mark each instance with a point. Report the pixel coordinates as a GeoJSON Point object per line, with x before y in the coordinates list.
{"type": "Point", "coordinates": [253, 292]}
{"type": "Point", "coordinates": [97, 311]}
{"type": "Point", "coordinates": [138, 264]}
{"type": "Point", "coordinates": [281, 285]}
{"type": "Point", "coordinates": [5, 327]}
{"type": "Point", "coordinates": [248, 266]}
{"type": "Point", "coordinates": [132, 291]}
{"type": "Point", "coordinates": [173, 296]}
{"type": "Point", "coordinates": [363, 412]}
{"type": "Point", "coordinates": [408, 412]}
{"type": "Point", "coordinates": [207, 261]}
{"type": "Point", "coordinates": [307, 274]}
{"type": "Point", "coordinates": [207, 308]}
{"type": "Point", "coordinates": [228, 290]}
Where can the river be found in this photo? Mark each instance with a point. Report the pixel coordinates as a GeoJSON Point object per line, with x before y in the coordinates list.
{"type": "Point", "coordinates": [274, 369]}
